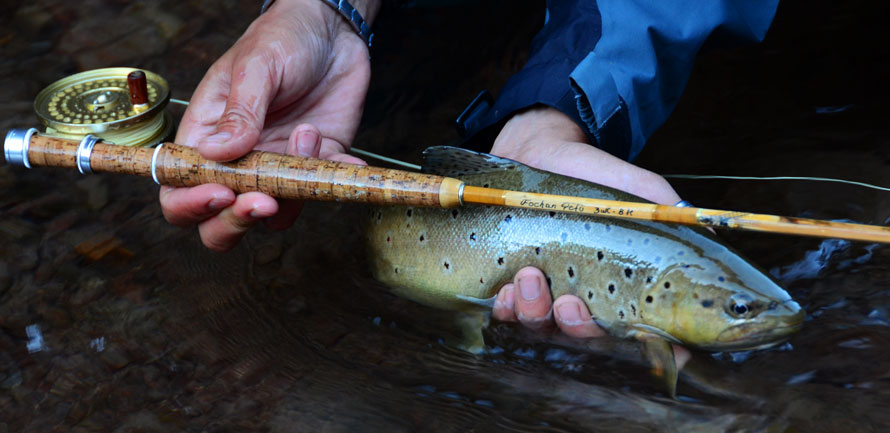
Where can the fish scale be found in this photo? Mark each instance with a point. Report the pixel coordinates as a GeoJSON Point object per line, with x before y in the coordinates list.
{"type": "Point", "coordinates": [653, 281]}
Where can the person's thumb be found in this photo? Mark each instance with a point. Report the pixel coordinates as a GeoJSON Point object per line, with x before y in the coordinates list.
{"type": "Point", "coordinates": [239, 127]}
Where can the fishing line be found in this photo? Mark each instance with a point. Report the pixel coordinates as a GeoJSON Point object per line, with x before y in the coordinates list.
{"type": "Point", "coordinates": [817, 179]}
{"type": "Point", "coordinates": [385, 159]}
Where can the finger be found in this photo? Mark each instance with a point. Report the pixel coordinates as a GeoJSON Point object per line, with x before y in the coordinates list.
{"type": "Point", "coordinates": [573, 318]}
{"type": "Point", "coordinates": [222, 232]}
{"type": "Point", "coordinates": [534, 300]}
{"type": "Point", "coordinates": [334, 151]}
{"type": "Point", "coordinates": [250, 93]}
{"type": "Point", "coordinates": [189, 206]}
{"type": "Point", "coordinates": [305, 141]}
{"type": "Point", "coordinates": [504, 303]}
{"type": "Point", "coordinates": [206, 105]}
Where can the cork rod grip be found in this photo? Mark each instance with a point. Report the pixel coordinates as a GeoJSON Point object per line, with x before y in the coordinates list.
{"type": "Point", "coordinates": [278, 175]}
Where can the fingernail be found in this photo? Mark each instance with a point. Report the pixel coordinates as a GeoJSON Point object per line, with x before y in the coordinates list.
{"type": "Point", "coordinates": [307, 144]}
{"type": "Point", "coordinates": [218, 203]}
{"type": "Point", "coordinates": [509, 298]}
{"type": "Point", "coordinates": [570, 314]}
{"type": "Point", "coordinates": [260, 212]}
{"type": "Point", "coordinates": [529, 288]}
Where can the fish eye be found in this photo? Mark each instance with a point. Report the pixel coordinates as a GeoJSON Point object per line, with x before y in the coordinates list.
{"type": "Point", "coordinates": [739, 305]}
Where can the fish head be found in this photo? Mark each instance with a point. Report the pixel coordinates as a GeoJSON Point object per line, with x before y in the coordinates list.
{"type": "Point", "coordinates": [720, 307]}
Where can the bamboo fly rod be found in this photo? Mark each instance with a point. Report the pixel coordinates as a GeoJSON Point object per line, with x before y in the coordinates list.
{"type": "Point", "coordinates": [291, 177]}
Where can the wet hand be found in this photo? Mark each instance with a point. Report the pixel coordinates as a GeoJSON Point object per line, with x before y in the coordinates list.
{"type": "Point", "coordinates": [294, 83]}
{"type": "Point", "coordinates": [527, 300]}
{"type": "Point", "coordinates": [546, 139]}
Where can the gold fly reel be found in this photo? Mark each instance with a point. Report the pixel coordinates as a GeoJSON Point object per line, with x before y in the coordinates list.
{"type": "Point", "coordinates": [101, 102]}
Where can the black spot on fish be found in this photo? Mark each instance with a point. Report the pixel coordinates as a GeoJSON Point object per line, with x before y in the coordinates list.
{"type": "Point", "coordinates": [500, 260]}
{"type": "Point", "coordinates": [473, 236]}
{"type": "Point", "coordinates": [408, 225]}
{"type": "Point", "coordinates": [379, 215]}
{"type": "Point", "coordinates": [508, 218]}
{"type": "Point", "coordinates": [649, 299]}
{"type": "Point", "coordinates": [633, 309]}
{"type": "Point", "coordinates": [421, 238]}
{"type": "Point", "coordinates": [388, 239]}
{"type": "Point", "coordinates": [621, 314]}
{"type": "Point", "coordinates": [485, 186]}
{"type": "Point", "coordinates": [586, 226]}
{"type": "Point", "coordinates": [408, 213]}
{"type": "Point", "coordinates": [628, 272]}
{"type": "Point", "coordinates": [707, 303]}
{"type": "Point", "coordinates": [667, 285]}
{"type": "Point", "coordinates": [721, 279]}
{"type": "Point", "coordinates": [611, 288]}
{"type": "Point", "coordinates": [397, 270]}
{"type": "Point", "coordinates": [608, 228]}
{"type": "Point", "coordinates": [447, 266]}
{"type": "Point", "coordinates": [590, 294]}
{"type": "Point", "coordinates": [552, 214]}
{"type": "Point", "coordinates": [600, 255]}
{"type": "Point", "coordinates": [538, 250]}
{"type": "Point", "coordinates": [454, 213]}
{"type": "Point", "coordinates": [648, 280]}
{"type": "Point", "coordinates": [571, 272]}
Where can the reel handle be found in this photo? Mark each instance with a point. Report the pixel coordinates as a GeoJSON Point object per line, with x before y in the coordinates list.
{"type": "Point", "coordinates": [278, 175]}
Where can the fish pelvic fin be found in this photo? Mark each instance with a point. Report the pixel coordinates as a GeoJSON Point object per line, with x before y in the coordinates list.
{"type": "Point", "coordinates": [471, 325]}
{"type": "Point", "coordinates": [660, 355]}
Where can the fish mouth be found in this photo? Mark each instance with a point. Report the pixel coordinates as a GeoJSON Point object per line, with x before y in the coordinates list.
{"type": "Point", "coordinates": [741, 337]}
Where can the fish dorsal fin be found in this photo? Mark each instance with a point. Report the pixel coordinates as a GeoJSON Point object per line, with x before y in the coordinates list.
{"type": "Point", "coordinates": [456, 162]}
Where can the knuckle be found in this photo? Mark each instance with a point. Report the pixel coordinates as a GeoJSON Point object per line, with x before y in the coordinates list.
{"type": "Point", "coordinates": [218, 243]}
{"type": "Point", "coordinates": [238, 116]}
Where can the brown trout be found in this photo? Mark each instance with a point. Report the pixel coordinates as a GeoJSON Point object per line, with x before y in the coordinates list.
{"type": "Point", "coordinates": [660, 283]}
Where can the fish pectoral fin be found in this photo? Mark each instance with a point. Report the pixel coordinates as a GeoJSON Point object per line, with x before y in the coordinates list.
{"type": "Point", "coordinates": [660, 354]}
{"type": "Point", "coordinates": [487, 303]}
{"type": "Point", "coordinates": [471, 325]}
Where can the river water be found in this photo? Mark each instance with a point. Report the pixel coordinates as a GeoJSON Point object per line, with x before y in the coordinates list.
{"type": "Point", "coordinates": [112, 320]}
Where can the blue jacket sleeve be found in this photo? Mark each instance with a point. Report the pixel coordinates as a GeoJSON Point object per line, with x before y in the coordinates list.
{"type": "Point", "coordinates": [618, 67]}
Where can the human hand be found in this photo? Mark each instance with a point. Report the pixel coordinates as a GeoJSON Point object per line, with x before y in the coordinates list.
{"type": "Point", "coordinates": [294, 83]}
{"type": "Point", "coordinates": [545, 138]}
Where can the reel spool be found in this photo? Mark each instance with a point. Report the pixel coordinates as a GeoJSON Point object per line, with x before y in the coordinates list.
{"type": "Point", "coordinates": [124, 106]}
